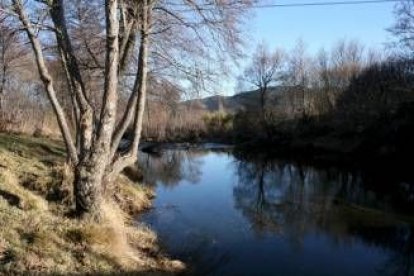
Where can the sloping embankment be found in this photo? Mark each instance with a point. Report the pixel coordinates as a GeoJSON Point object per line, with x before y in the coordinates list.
{"type": "Point", "coordinates": [38, 235]}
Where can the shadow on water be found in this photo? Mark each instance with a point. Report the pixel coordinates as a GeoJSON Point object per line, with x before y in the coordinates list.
{"type": "Point", "coordinates": [237, 215]}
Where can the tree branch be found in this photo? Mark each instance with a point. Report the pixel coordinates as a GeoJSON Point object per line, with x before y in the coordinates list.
{"type": "Point", "coordinates": [69, 62]}
{"type": "Point", "coordinates": [47, 81]}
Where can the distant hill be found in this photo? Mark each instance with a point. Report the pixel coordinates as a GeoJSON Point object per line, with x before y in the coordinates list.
{"type": "Point", "coordinates": [241, 101]}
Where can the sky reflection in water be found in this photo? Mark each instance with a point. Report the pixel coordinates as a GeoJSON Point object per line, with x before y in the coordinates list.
{"type": "Point", "coordinates": [225, 214]}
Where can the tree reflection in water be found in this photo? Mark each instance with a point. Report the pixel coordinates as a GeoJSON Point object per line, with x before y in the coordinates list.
{"type": "Point", "coordinates": [289, 209]}
{"type": "Point", "coordinates": [172, 167]}
{"type": "Point", "coordinates": [294, 200]}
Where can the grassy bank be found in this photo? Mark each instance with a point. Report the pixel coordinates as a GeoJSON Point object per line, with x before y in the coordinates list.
{"type": "Point", "coordinates": [38, 234]}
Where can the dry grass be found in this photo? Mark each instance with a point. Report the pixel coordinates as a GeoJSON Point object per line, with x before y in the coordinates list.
{"type": "Point", "coordinates": [23, 119]}
{"type": "Point", "coordinates": [132, 199]}
{"type": "Point", "coordinates": [37, 236]}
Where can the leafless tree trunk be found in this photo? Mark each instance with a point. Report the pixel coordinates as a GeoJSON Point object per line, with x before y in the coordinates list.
{"type": "Point", "coordinates": [90, 171]}
{"type": "Point", "coordinates": [140, 87]}
{"type": "Point", "coordinates": [262, 73]}
{"type": "Point", "coordinates": [47, 81]}
{"type": "Point", "coordinates": [92, 145]}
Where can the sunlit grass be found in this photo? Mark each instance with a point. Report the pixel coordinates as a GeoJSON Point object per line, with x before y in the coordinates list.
{"type": "Point", "coordinates": [38, 235]}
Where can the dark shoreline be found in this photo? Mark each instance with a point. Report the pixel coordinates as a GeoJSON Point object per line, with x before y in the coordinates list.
{"type": "Point", "coordinates": [158, 147]}
{"type": "Point", "coordinates": [304, 152]}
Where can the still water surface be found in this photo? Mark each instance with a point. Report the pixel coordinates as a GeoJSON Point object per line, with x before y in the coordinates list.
{"type": "Point", "coordinates": [225, 214]}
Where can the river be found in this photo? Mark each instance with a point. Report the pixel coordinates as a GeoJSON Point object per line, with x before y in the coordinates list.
{"type": "Point", "coordinates": [227, 214]}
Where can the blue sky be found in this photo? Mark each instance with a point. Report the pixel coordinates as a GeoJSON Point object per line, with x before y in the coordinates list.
{"type": "Point", "coordinates": [322, 26]}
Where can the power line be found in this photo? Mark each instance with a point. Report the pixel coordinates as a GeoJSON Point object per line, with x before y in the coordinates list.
{"type": "Point", "coordinates": [303, 4]}
{"type": "Point", "coordinates": [328, 3]}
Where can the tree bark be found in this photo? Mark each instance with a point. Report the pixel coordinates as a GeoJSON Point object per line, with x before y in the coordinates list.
{"type": "Point", "coordinates": [90, 171]}
{"type": "Point", "coordinates": [2, 86]}
{"type": "Point", "coordinates": [88, 189]}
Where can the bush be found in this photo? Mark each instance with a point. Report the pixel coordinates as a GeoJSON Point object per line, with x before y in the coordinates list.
{"type": "Point", "coordinates": [219, 124]}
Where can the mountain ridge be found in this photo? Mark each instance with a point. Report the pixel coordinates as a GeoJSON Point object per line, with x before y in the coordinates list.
{"type": "Point", "coordinates": [240, 101]}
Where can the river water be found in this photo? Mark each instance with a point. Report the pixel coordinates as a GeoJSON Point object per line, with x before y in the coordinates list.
{"type": "Point", "coordinates": [227, 214]}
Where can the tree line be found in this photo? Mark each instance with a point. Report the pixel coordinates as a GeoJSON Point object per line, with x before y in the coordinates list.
{"type": "Point", "coordinates": [348, 86]}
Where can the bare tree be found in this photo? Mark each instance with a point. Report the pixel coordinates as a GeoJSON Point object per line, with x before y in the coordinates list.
{"type": "Point", "coordinates": [123, 27]}
{"type": "Point", "coordinates": [12, 54]}
{"type": "Point", "coordinates": [297, 77]}
{"type": "Point", "coordinates": [347, 62]}
{"type": "Point", "coordinates": [263, 71]}
{"type": "Point", "coordinates": [326, 100]}
{"type": "Point", "coordinates": [403, 28]}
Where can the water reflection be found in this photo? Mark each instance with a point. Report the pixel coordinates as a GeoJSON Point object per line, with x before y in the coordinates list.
{"type": "Point", "coordinates": [362, 224]}
{"type": "Point", "coordinates": [171, 167]}
{"type": "Point", "coordinates": [295, 200]}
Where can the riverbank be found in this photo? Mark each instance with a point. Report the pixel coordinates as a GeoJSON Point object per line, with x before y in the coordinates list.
{"type": "Point", "coordinates": [385, 140]}
{"type": "Point", "coordinates": [345, 149]}
{"type": "Point", "coordinates": [38, 234]}
{"type": "Point", "coordinates": [158, 147]}
{"type": "Point", "coordinates": [374, 147]}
